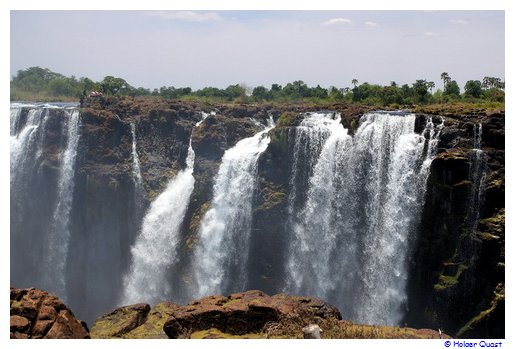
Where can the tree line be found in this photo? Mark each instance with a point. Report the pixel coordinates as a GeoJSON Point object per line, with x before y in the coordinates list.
{"type": "Point", "coordinates": [36, 81]}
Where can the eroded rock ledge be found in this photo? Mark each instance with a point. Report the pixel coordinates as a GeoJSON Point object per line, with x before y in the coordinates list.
{"type": "Point", "coordinates": [251, 314]}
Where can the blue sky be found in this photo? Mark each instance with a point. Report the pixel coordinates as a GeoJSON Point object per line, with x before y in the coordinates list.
{"type": "Point", "coordinates": [218, 48]}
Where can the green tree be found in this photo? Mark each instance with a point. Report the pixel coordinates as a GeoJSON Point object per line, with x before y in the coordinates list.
{"type": "Point", "coordinates": [335, 93]}
{"type": "Point", "coordinates": [452, 89]}
{"type": "Point", "coordinates": [260, 93]}
{"type": "Point", "coordinates": [211, 92]}
{"type": "Point", "coordinates": [491, 82]}
{"type": "Point", "coordinates": [60, 87]}
{"type": "Point", "coordinates": [367, 93]}
{"type": "Point", "coordinates": [473, 89]}
{"type": "Point", "coordinates": [494, 94]}
{"type": "Point", "coordinates": [34, 79]}
{"type": "Point", "coordinates": [113, 86]}
{"type": "Point", "coordinates": [431, 86]}
{"type": "Point", "coordinates": [420, 88]}
{"type": "Point", "coordinates": [88, 84]}
{"type": "Point", "coordinates": [234, 91]}
{"type": "Point", "coordinates": [446, 78]}
{"type": "Point", "coordinates": [140, 91]}
{"type": "Point", "coordinates": [390, 95]}
{"type": "Point", "coordinates": [319, 92]}
{"type": "Point", "coordinates": [296, 90]}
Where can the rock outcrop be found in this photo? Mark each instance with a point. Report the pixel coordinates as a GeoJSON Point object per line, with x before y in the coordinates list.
{"type": "Point", "coordinates": [247, 312]}
{"type": "Point", "coordinates": [251, 314]}
{"type": "Point", "coordinates": [38, 314]}
{"type": "Point", "coordinates": [134, 321]}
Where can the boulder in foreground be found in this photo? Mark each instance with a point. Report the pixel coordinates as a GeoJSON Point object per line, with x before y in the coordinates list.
{"type": "Point", "coordinates": [39, 314]}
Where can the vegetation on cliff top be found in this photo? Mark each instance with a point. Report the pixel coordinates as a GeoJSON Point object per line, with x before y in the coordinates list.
{"type": "Point", "coordinates": [39, 84]}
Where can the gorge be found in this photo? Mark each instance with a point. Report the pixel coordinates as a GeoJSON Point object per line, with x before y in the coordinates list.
{"type": "Point", "coordinates": [394, 217]}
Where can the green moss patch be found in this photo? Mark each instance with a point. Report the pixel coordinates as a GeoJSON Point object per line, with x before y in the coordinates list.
{"type": "Point", "coordinates": [498, 297]}
{"type": "Point", "coordinates": [493, 226]}
{"type": "Point", "coordinates": [286, 119]}
{"type": "Point", "coordinates": [271, 199]}
{"type": "Point", "coordinates": [153, 326]}
{"type": "Point", "coordinates": [447, 281]}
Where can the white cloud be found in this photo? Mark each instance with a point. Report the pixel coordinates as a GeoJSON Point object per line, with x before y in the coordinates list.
{"type": "Point", "coordinates": [337, 21]}
{"type": "Point", "coordinates": [371, 24]}
{"type": "Point", "coordinates": [187, 16]}
{"type": "Point", "coordinates": [459, 21]}
{"type": "Point", "coordinates": [429, 34]}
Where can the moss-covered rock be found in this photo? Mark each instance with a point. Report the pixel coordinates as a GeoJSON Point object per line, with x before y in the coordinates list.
{"type": "Point", "coordinates": [289, 119]}
{"type": "Point", "coordinates": [244, 313]}
{"type": "Point", "coordinates": [272, 197]}
{"type": "Point", "coordinates": [120, 321]}
{"type": "Point", "coordinates": [136, 321]}
{"type": "Point", "coordinates": [487, 319]}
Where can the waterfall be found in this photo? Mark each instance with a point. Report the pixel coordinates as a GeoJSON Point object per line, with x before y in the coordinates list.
{"type": "Point", "coordinates": [155, 249]}
{"type": "Point", "coordinates": [220, 259]}
{"type": "Point", "coordinates": [477, 173]}
{"type": "Point", "coordinates": [55, 261]}
{"type": "Point", "coordinates": [350, 239]}
{"type": "Point", "coordinates": [36, 224]}
{"type": "Point", "coordinates": [136, 171]}
{"type": "Point", "coordinates": [354, 203]}
{"type": "Point", "coordinates": [309, 138]}
{"type": "Point", "coordinates": [25, 130]}
{"type": "Point", "coordinates": [23, 141]}
{"type": "Point", "coordinates": [478, 130]}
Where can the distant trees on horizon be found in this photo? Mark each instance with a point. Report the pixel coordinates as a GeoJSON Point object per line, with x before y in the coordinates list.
{"type": "Point", "coordinates": [41, 82]}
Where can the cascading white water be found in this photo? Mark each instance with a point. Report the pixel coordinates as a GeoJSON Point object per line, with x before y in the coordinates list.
{"type": "Point", "coordinates": [136, 170]}
{"type": "Point", "coordinates": [58, 237]}
{"type": "Point", "coordinates": [478, 131]}
{"type": "Point", "coordinates": [220, 259]}
{"type": "Point", "coordinates": [46, 260]}
{"type": "Point", "coordinates": [155, 249]}
{"type": "Point", "coordinates": [477, 173]}
{"type": "Point", "coordinates": [309, 138]}
{"type": "Point", "coordinates": [23, 142]}
{"type": "Point", "coordinates": [323, 135]}
{"type": "Point", "coordinates": [397, 198]}
{"type": "Point", "coordinates": [350, 239]}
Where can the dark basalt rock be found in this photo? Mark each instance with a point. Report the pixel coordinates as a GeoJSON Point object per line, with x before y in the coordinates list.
{"type": "Point", "coordinates": [456, 279]}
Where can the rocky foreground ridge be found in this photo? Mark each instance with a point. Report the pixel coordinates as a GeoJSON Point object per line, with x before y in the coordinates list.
{"type": "Point", "coordinates": [39, 314]}
{"type": "Point", "coordinates": [251, 314]}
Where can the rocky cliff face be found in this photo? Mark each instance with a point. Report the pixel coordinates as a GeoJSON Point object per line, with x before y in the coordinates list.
{"type": "Point", "coordinates": [456, 278]}
{"type": "Point", "coordinates": [457, 272]}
